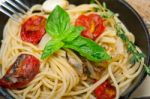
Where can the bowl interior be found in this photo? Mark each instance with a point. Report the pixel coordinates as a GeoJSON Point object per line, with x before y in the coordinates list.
{"type": "Point", "coordinates": [126, 14]}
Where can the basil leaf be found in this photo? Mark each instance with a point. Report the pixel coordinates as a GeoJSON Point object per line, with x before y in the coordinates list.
{"type": "Point", "coordinates": [58, 22]}
{"type": "Point", "coordinates": [51, 47]}
{"type": "Point", "coordinates": [88, 49]}
{"type": "Point", "coordinates": [73, 33]}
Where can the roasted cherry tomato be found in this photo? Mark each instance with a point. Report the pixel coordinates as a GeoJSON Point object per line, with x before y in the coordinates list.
{"type": "Point", "coordinates": [21, 72]}
{"type": "Point", "coordinates": [93, 24]}
{"type": "Point", "coordinates": [105, 91]}
{"type": "Point", "coordinates": [33, 29]}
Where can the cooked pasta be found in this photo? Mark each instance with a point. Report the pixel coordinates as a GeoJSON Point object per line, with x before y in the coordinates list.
{"type": "Point", "coordinates": [66, 74]}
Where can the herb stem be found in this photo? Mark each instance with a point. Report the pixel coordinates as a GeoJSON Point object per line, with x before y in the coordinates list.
{"type": "Point", "coordinates": [136, 55]}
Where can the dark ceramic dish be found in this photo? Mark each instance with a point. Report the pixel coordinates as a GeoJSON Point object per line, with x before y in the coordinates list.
{"type": "Point", "coordinates": [127, 15]}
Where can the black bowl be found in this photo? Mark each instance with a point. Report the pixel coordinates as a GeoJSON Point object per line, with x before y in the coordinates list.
{"type": "Point", "coordinates": [128, 16]}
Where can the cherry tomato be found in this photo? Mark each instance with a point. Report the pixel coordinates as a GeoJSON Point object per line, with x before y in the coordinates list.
{"type": "Point", "coordinates": [33, 29]}
{"type": "Point", "coordinates": [105, 91]}
{"type": "Point", "coordinates": [21, 72]}
{"type": "Point", "coordinates": [93, 24]}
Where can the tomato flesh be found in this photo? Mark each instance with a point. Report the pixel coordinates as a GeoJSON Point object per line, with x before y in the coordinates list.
{"type": "Point", "coordinates": [21, 72]}
{"type": "Point", "coordinates": [105, 91]}
{"type": "Point", "coordinates": [93, 23]}
{"type": "Point", "coordinates": [33, 29]}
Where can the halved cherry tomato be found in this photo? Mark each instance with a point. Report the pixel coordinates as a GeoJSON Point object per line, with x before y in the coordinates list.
{"type": "Point", "coordinates": [33, 29]}
{"type": "Point", "coordinates": [21, 72]}
{"type": "Point", "coordinates": [105, 91]}
{"type": "Point", "coordinates": [93, 24]}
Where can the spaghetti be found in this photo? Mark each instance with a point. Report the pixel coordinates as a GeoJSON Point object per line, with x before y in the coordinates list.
{"type": "Point", "coordinates": [60, 75]}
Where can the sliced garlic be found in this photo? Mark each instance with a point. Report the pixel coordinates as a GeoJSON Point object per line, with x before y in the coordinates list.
{"type": "Point", "coordinates": [44, 41]}
{"type": "Point", "coordinates": [108, 40]}
{"type": "Point", "coordinates": [49, 5]}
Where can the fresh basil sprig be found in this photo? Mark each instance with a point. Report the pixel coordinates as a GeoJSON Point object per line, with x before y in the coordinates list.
{"type": "Point", "coordinates": [136, 56]}
{"type": "Point", "coordinates": [58, 25]}
{"type": "Point", "coordinates": [87, 48]}
{"type": "Point", "coordinates": [64, 35]}
{"type": "Point", "coordinates": [51, 47]}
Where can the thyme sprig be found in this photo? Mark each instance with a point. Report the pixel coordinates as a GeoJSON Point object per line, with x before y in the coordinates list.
{"type": "Point", "coordinates": [106, 13]}
{"type": "Point", "coordinates": [131, 47]}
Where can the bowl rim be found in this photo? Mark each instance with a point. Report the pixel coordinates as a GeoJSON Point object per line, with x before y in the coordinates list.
{"type": "Point", "coordinates": [126, 4]}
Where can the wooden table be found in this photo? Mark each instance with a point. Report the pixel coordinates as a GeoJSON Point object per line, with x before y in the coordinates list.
{"type": "Point", "coordinates": [142, 7]}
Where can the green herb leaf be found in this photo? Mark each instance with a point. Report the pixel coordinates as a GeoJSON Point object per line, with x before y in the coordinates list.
{"type": "Point", "coordinates": [92, 1]}
{"type": "Point", "coordinates": [73, 33]}
{"type": "Point", "coordinates": [51, 47]}
{"type": "Point", "coordinates": [104, 5]}
{"type": "Point", "coordinates": [121, 33]}
{"type": "Point", "coordinates": [107, 13]}
{"type": "Point", "coordinates": [89, 49]}
{"type": "Point", "coordinates": [136, 56]}
{"type": "Point", "coordinates": [58, 22]}
{"type": "Point", "coordinates": [147, 69]}
{"type": "Point", "coordinates": [68, 36]}
{"type": "Point", "coordinates": [131, 47]}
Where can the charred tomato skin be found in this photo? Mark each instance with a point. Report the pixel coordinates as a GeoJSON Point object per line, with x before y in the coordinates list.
{"type": "Point", "coordinates": [33, 29]}
{"type": "Point", "coordinates": [21, 72]}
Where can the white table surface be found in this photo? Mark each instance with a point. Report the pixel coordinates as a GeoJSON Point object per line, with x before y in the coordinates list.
{"type": "Point", "coordinates": [143, 90]}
